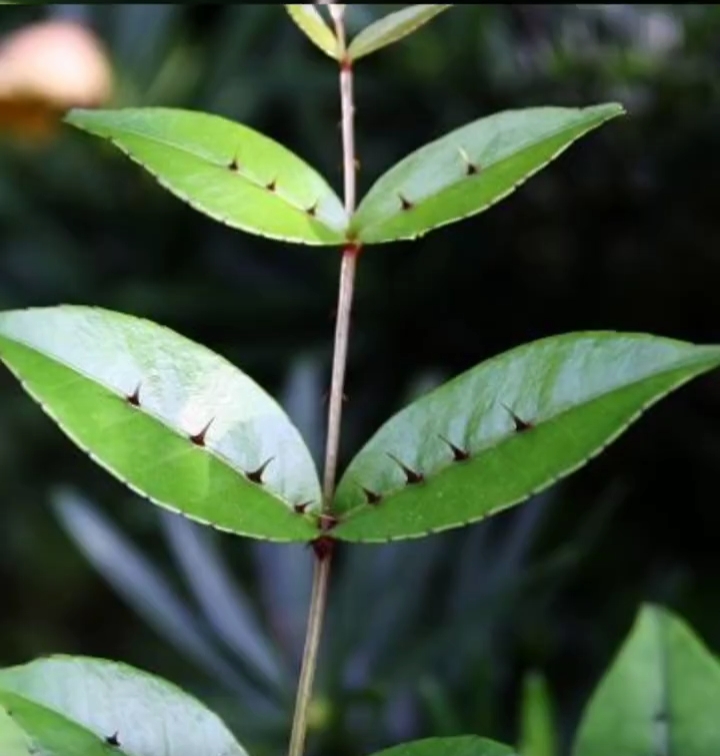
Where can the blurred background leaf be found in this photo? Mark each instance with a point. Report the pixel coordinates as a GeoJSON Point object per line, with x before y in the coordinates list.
{"type": "Point", "coordinates": [426, 638]}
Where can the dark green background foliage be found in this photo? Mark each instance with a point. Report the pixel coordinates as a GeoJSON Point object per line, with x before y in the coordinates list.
{"type": "Point", "coordinates": [428, 637]}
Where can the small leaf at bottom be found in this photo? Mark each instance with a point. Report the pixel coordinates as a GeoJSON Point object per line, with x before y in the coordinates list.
{"type": "Point", "coordinates": [461, 745]}
{"type": "Point", "coordinates": [660, 696]}
{"type": "Point", "coordinates": [146, 715]}
{"type": "Point", "coordinates": [30, 729]}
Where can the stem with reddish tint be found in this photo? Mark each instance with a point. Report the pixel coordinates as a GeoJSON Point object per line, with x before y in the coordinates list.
{"type": "Point", "coordinates": [323, 546]}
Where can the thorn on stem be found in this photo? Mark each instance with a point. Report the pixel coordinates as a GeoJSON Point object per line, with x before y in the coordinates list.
{"type": "Point", "coordinates": [459, 455]}
{"type": "Point", "coordinates": [411, 477]}
{"type": "Point", "coordinates": [405, 203]}
{"type": "Point", "coordinates": [113, 740]}
{"type": "Point", "coordinates": [233, 165]}
{"type": "Point", "coordinates": [272, 186]}
{"type": "Point", "coordinates": [326, 397]}
{"type": "Point", "coordinates": [470, 168]}
{"type": "Point", "coordinates": [371, 497]}
{"type": "Point", "coordinates": [301, 509]}
{"type": "Point", "coordinates": [312, 210]}
{"type": "Point", "coordinates": [199, 438]}
{"type": "Point", "coordinates": [255, 476]}
{"type": "Point", "coordinates": [520, 425]}
{"type": "Point", "coordinates": [134, 398]}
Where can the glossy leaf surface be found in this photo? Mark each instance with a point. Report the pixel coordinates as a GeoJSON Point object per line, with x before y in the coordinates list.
{"type": "Point", "coordinates": [505, 430]}
{"type": "Point", "coordinates": [172, 419]}
{"type": "Point", "coordinates": [29, 729]}
{"type": "Point", "coordinates": [660, 695]}
{"type": "Point", "coordinates": [226, 170]}
{"type": "Point", "coordinates": [469, 169]}
{"type": "Point", "coordinates": [150, 716]}
{"type": "Point", "coordinates": [463, 745]}
{"type": "Point", "coordinates": [392, 28]}
{"type": "Point", "coordinates": [311, 23]}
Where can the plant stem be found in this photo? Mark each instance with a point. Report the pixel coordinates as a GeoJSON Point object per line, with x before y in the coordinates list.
{"type": "Point", "coordinates": [323, 547]}
{"type": "Point", "coordinates": [347, 269]}
{"type": "Point", "coordinates": [316, 615]}
{"type": "Point", "coordinates": [342, 334]}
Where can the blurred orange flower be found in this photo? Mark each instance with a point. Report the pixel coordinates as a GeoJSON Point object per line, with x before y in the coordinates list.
{"type": "Point", "coordinates": [47, 68]}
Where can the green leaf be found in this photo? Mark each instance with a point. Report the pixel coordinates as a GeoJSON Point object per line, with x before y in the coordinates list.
{"type": "Point", "coordinates": [469, 169]}
{"type": "Point", "coordinates": [14, 741]}
{"type": "Point", "coordinates": [579, 391]}
{"type": "Point", "coordinates": [29, 729]}
{"type": "Point", "coordinates": [150, 716]}
{"type": "Point", "coordinates": [660, 695]}
{"type": "Point", "coordinates": [392, 28]}
{"type": "Point", "coordinates": [133, 393]}
{"type": "Point", "coordinates": [537, 736]}
{"type": "Point", "coordinates": [225, 170]}
{"type": "Point", "coordinates": [311, 23]}
{"type": "Point", "coordinates": [462, 745]}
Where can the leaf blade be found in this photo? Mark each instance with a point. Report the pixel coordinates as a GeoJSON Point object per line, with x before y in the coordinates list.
{"type": "Point", "coordinates": [392, 28]}
{"type": "Point", "coordinates": [469, 169]}
{"type": "Point", "coordinates": [659, 696]}
{"type": "Point", "coordinates": [226, 170]}
{"type": "Point", "coordinates": [579, 391]}
{"type": "Point", "coordinates": [30, 729]}
{"type": "Point", "coordinates": [132, 393]}
{"type": "Point", "coordinates": [460, 745]}
{"type": "Point", "coordinates": [311, 23]}
{"type": "Point", "coordinates": [150, 715]}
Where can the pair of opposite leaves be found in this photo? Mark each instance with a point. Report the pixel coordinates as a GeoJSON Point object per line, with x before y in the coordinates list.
{"type": "Point", "coordinates": [183, 427]}
{"type": "Point", "coordinates": [657, 697]}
